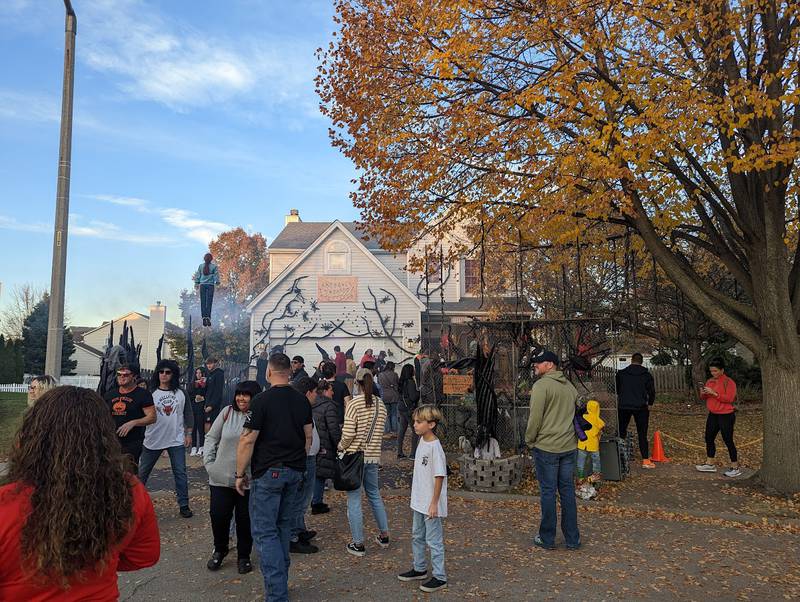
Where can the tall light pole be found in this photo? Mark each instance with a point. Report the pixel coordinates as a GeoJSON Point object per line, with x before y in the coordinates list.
{"type": "Point", "coordinates": [55, 323]}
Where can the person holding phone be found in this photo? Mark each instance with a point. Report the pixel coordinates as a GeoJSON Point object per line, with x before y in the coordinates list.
{"type": "Point", "coordinates": [719, 393]}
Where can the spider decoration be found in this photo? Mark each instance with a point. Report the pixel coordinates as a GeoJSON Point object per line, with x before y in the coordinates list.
{"type": "Point", "coordinates": [585, 349]}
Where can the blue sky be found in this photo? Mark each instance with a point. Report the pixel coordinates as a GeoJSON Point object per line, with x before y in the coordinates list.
{"type": "Point", "coordinates": [190, 117]}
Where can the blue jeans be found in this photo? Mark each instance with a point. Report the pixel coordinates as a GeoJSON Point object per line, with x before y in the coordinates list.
{"type": "Point", "coordinates": [595, 456]}
{"type": "Point", "coordinates": [304, 499]}
{"type": "Point", "coordinates": [273, 500]}
{"type": "Point", "coordinates": [177, 460]}
{"type": "Point", "coordinates": [429, 531]}
{"type": "Point", "coordinates": [369, 484]}
{"type": "Point", "coordinates": [319, 490]}
{"type": "Point", "coordinates": [206, 299]}
{"type": "Point", "coordinates": [391, 418]}
{"type": "Point", "coordinates": [554, 472]}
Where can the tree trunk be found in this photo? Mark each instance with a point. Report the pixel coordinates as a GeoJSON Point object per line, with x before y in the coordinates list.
{"type": "Point", "coordinates": [698, 368]}
{"type": "Point", "coordinates": [781, 388]}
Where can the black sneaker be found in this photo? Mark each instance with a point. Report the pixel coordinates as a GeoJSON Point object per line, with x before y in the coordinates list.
{"type": "Point", "coordinates": [356, 549]}
{"type": "Point", "coordinates": [245, 566]}
{"type": "Point", "coordinates": [433, 585]}
{"type": "Point", "coordinates": [216, 560]}
{"type": "Point", "coordinates": [320, 508]}
{"type": "Point", "coordinates": [302, 547]}
{"type": "Point", "coordinates": [382, 541]}
{"type": "Point", "coordinates": [413, 575]}
{"type": "Point", "coordinates": [306, 536]}
{"type": "Point", "coordinates": [186, 512]}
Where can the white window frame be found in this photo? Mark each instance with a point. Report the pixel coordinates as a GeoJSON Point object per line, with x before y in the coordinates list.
{"type": "Point", "coordinates": [336, 248]}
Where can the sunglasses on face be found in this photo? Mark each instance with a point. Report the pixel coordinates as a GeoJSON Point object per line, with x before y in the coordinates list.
{"type": "Point", "coordinates": [124, 374]}
{"type": "Point", "coordinates": [165, 371]}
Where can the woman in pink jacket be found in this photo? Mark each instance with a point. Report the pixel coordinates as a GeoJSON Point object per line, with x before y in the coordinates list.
{"type": "Point", "coordinates": [719, 393]}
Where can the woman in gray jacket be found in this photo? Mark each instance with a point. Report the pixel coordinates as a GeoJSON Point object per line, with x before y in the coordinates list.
{"type": "Point", "coordinates": [220, 460]}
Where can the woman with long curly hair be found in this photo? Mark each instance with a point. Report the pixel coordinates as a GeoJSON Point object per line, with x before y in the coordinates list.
{"type": "Point", "coordinates": [71, 512]}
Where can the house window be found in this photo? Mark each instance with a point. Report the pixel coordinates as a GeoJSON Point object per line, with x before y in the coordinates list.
{"type": "Point", "coordinates": [472, 276]}
{"type": "Point", "coordinates": [337, 258]}
{"type": "Point", "coordinates": [433, 270]}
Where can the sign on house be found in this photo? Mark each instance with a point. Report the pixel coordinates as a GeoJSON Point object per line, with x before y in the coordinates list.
{"type": "Point", "coordinates": [337, 289]}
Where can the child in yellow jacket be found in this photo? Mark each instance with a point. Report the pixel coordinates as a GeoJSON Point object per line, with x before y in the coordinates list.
{"type": "Point", "coordinates": [591, 447]}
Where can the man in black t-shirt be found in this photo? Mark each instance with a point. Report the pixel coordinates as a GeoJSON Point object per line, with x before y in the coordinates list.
{"type": "Point", "coordinates": [341, 394]}
{"type": "Point", "coordinates": [132, 410]}
{"type": "Point", "coordinates": [275, 440]}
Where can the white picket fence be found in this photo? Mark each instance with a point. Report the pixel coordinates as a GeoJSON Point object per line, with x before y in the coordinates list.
{"type": "Point", "coordinates": [13, 388]}
{"type": "Point", "coordinates": [76, 380]}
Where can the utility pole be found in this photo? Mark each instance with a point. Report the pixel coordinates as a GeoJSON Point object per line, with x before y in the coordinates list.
{"type": "Point", "coordinates": [55, 323]}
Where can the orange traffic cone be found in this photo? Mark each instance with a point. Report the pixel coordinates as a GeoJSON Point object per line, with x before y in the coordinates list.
{"type": "Point", "coordinates": [657, 454]}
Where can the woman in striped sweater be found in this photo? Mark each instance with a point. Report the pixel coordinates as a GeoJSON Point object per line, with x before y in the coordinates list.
{"type": "Point", "coordinates": [364, 418]}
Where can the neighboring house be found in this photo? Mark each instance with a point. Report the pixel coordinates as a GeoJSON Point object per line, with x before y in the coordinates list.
{"type": "Point", "coordinates": [622, 359]}
{"type": "Point", "coordinates": [90, 342]}
{"type": "Point", "coordinates": [331, 285]}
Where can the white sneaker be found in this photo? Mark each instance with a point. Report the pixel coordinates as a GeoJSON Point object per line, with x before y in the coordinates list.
{"type": "Point", "coordinates": [733, 473]}
{"type": "Point", "coordinates": [706, 467]}
{"type": "Point", "coordinates": [193, 452]}
{"type": "Point", "coordinates": [200, 451]}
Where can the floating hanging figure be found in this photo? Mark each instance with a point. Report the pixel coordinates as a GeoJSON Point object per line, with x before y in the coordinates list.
{"type": "Point", "coordinates": [205, 279]}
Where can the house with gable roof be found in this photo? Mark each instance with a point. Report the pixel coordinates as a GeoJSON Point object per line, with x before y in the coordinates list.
{"type": "Point", "coordinates": [330, 285]}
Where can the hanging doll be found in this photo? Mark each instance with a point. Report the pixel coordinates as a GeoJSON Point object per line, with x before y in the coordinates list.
{"type": "Point", "coordinates": [205, 279]}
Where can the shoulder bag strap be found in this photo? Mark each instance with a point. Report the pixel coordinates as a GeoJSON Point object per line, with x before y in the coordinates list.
{"type": "Point", "coordinates": [371, 428]}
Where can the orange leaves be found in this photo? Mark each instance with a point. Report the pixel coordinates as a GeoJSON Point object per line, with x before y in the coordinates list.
{"type": "Point", "coordinates": [525, 112]}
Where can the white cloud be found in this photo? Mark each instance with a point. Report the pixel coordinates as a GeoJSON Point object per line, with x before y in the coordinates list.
{"type": "Point", "coordinates": [28, 107]}
{"type": "Point", "coordinates": [124, 201]}
{"type": "Point", "coordinates": [11, 223]}
{"type": "Point", "coordinates": [159, 59]}
{"type": "Point", "coordinates": [190, 224]}
{"type": "Point", "coordinates": [92, 229]}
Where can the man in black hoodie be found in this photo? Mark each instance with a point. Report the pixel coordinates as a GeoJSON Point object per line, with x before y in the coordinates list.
{"type": "Point", "coordinates": [636, 392]}
{"type": "Point", "coordinates": [215, 386]}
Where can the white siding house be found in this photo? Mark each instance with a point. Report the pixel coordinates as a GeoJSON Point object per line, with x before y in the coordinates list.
{"type": "Point", "coordinates": [147, 330]}
{"type": "Point", "coordinates": [336, 292]}
{"type": "Point", "coordinates": [331, 285]}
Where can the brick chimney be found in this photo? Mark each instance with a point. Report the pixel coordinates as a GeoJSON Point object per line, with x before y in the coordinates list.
{"type": "Point", "coordinates": [294, 216]}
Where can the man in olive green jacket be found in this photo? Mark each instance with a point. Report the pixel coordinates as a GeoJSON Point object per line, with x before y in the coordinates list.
{"type": "Point", "coordinates": [551, 436]}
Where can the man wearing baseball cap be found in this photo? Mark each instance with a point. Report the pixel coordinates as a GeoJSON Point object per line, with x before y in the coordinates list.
{"type": "Point", "coordinates": [551, 436]}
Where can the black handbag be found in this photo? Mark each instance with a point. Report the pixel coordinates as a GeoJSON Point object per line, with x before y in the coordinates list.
{"type": "Point", "coordinates": [350, 467]}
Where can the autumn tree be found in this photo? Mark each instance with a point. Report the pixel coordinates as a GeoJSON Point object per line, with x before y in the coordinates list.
{"type": "Point", "coordinates": [243, 263]}
{"type": "Point", "coordinates": [677, 120]}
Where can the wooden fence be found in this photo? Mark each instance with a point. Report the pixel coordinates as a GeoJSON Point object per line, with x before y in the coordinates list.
{"type": "Point", "coordinates": [668, 379]}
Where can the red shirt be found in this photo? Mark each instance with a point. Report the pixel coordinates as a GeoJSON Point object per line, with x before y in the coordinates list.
{"type": "Point", "coordinates": [139, 549]}
{"type": "Point", "coordinates": [722, 403]}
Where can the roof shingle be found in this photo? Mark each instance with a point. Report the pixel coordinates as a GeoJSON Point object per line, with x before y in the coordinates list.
{"type": "Point", "coordinates": [300, 235]}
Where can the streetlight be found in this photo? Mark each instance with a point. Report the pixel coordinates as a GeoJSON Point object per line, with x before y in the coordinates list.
{"type": "Point", "coordinates": [55, 323]}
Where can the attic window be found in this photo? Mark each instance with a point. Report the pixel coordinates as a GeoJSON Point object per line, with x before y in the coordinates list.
{"type": "Point", "coordinates": [337, 258]}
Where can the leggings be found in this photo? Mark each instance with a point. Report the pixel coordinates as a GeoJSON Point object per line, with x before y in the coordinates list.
{"type": "Point", "coordinates": [198, 430]}
{"type": "Point", "coordinates": [716, 423]}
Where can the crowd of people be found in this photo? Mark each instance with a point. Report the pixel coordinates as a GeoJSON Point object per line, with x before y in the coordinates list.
{"type": "Point", "coordinates": [270, 453]}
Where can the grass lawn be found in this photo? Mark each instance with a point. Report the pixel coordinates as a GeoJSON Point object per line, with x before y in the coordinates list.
{"type": "Point", "coordinates": [12, 405]}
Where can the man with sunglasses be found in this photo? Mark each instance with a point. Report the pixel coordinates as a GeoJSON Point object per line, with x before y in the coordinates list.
{"type": "Point", "coordinates": [131, 409]}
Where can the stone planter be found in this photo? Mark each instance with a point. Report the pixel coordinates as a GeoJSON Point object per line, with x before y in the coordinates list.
{"type": "Point", "coordinates": [492, 476]}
